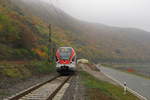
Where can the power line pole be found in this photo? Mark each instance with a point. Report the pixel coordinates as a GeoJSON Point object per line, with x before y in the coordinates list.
{"type": "Point", "coordinates": [50, 44]}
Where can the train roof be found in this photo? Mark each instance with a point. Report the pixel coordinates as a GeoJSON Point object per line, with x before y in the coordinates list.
{"type": "Point", "coordinates": [66, 47]}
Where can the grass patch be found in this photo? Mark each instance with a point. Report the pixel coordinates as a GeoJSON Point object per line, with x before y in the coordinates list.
{"type": "Point", "coordinates": [14, 71]}
{"type": "Point", "coordinates": [42, 67]}
{"type": "Point", "coordinates": [4, 93]}
{"type": "Point", "coordinates": [21, 71]}
{"type": "Point", "coordinates": [104, 89]}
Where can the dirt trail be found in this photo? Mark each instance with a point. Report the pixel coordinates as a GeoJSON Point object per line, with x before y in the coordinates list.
{"type": "Point", "coordinates": [97, 74]}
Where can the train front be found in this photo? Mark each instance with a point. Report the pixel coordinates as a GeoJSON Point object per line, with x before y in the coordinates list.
{"type": "Point", "coordinates": [65, 59]}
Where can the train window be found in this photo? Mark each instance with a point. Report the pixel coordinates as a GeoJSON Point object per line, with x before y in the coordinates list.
{"type": "Point", "coordinates": [56, 58]}
{"type": "Point", "coordinates": [73, 59]}
{"type": "Point", "coordinates": [65, 53]}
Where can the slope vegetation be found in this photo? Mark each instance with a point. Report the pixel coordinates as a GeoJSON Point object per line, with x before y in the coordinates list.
{"type": "Point", "coordinates": [94, 41]}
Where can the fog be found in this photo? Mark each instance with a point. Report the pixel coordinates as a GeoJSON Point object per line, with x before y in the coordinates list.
{"type": "Point", "coordinates": [122, 13]}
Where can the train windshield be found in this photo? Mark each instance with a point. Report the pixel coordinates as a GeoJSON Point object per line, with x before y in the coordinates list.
{"type": "Point", "coordinates": [65, 53]}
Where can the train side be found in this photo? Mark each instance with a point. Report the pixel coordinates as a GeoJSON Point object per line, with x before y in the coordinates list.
{"type": "Point", "coordinates": [65, 59]}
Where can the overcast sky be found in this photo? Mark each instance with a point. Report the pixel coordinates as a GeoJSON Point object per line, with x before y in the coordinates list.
{"type": "Point", "coordinates": [123, 13]}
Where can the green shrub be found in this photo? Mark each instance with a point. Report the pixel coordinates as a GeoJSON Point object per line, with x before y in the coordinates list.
{"type": "Point", "coordinates": [42, 67]}
{"type": "Point", "coordinates": [12, 72]}
{"type": "Point", "coordinates": [9, 31]}
{"type": "Point", "coordinates": [15, 71]}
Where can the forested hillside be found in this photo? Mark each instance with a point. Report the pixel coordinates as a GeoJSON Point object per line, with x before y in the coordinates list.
{"type": "Point", "coordinates": [14, 30]}
{"type": "Point", "coordinates": [27, 34]}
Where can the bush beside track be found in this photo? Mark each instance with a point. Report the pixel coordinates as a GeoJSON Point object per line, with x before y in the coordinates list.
{"type": "Point", "coordinates": [12, 72]}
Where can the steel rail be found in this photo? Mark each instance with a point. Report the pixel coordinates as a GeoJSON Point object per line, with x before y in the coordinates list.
{"type": "Point", "coordinates": [58, 88]}
{"type": "Point", "coordinates": [29, 90]}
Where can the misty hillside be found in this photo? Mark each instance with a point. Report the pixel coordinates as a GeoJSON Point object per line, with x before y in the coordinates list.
{"type": "Point", "coordinates": [25, 37]}
{"type": "Point", "coordinates": [95, 41]}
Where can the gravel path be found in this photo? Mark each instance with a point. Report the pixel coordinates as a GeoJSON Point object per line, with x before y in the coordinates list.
{"type": "Point", "coordinates": [23, 84]}
{"type": "Point", "coordinates": [97, 74]}
{"type": "Point", "coordinates": [76, 90]}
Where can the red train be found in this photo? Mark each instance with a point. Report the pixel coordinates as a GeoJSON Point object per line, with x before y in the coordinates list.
{"type": "Point", "coordinates": [65, 59]}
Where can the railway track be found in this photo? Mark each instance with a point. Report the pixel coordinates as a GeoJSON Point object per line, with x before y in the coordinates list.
{"type": "Point", "coordinates": [43, 91]}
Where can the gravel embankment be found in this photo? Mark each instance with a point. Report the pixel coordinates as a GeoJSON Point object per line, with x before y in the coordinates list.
{"type": "Point", "coordinates": [97, 74]}
{"type": "Point", "coordinates": [76, 91]}
{"type": "Point", "coordinates": [9, 90]}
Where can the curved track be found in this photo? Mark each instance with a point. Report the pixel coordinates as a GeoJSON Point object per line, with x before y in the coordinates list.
{"type": "Point", "coordinates": [42, 91]}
